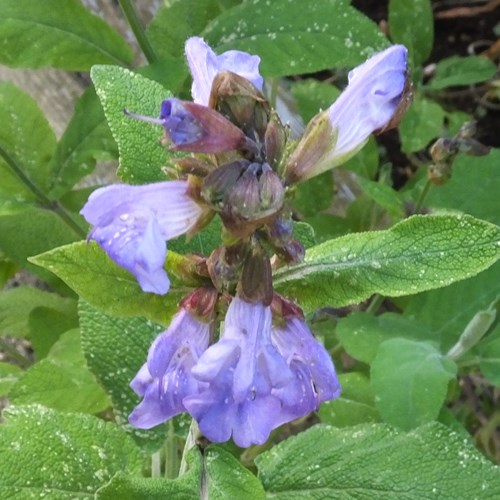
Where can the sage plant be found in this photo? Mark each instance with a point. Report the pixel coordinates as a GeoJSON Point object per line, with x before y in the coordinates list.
{"type": "Point", "coordinates": [264, 368]}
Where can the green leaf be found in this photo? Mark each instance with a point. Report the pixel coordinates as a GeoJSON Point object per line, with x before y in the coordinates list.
{"type": "Point", "coordinates": [8, 376]}
{"type": "Point", "coordinates": [7, 269]}
{"type": "Point", "coordinates": [384, 196]}
{"type": "Point", "coordinates": [17, 304]}
{"type": "Point", "coordinates": [221, 468]}
{"type": "Point", "coordinates": [375, 461]}
{"type": "Point", "coordinates": [361, 333]}
{"type": "Point", "coordinates": [447, 313]}
{"type": "Point", "coordinates": [141, 154]}
{"type": "Point", "coordinates": [411, 23]}
{"type": "Point", "coordinates": [42, 230]}
{"type": "Point", "coordinates": [365, 162]}
{"type": "Point", "coordinates": [473, 187]}
{"type": "Point", "coordinates": [178, 20]}
{"type": "Point", "coordinates": [26, 144]}
{"type": "Point", "coordinates": [421, 123]}
{"type": "Point", "coordinates": [313, 96]}
{"type": "Point", "coordinates": [332, 34]}
{"type": "Point", "coordinates": [62, 381]}
{"type": "Point", "coordinates": [314, 195]}
{"type": "Point", "coordinates": [86, 139]}
{"type": "Point", "coordinates": [58, 34]}
{"type": "Point", "coordinates": [457, 70]}
{"type": "Point", "coordinates": [328, 226]}
{"type": "Point", "coordinates": [410, 381]}
{"type": "Point", "coordinates": [96, 278]}
{"type": "Point", "coordinates": [420, 253]}
{"type": "Point", "coordinates": [59, 455]}
{"type": "Point", "coordinates": [355, 405]}
{"type": "Point", "coordinates": [186, 487]}
{"type": "Point", "coordinates": [115, 349]}
{"type": "Point", "coordinates": [46, 326]}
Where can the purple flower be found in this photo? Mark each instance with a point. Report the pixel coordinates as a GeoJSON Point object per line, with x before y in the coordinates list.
{"type": "Point", "coordinates": [241, 371]}
{"type": "Point", "coordinates": [369, 101]}
{"type": "Point", "coordinates": [132, 223]}
{"type": "Point", "coordinates": [375, 91]}
{"type": "Point", "coordinates": [165, 379]}
{"type": "Point", "coordinates": [315, 378]}
{"type": "Point", "coordinates": [205, 64]}
{"type": "Point", "coordinates": [254, 385]}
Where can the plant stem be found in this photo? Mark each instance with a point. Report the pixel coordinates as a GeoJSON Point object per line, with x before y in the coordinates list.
{"type": "Point", "coordinates": [156, 464]}
{"type": "Point", "coordinates": [42, 198]}
{"type": "Point", "coordinates": [171, 456]}
{"type": "Point", "coordinates": [138, 30]}
{"type": "Point", "coordinates": [375, 303]}
{"type": "Point", "coordinates": [423, 195]}
{"type": "Point", "coordinates": [193, 433]}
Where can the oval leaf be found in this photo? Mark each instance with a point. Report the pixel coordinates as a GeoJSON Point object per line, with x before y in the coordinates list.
{"type": "Point", "coordinates": [58, 34]}
{"type": "Point", "coordinates": [331, 34]}
{"type": "Point", "coordinates": [420, 253]}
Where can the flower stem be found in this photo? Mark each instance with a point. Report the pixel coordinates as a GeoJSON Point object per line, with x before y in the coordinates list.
{"type": "Point", "coordinates": [156, 464]}
{"type": "Point", "coordinates": [42, 198]}
{"type": "Point", "coordinates": [138, 30]}
{"type": "Point", "coordinates": [423, 195]}
{"type": "Point", "coordinates": [375, 304]}
{"type": "Point", "coordinates": [171, 456]}
{"type": "Point", "coordinates": [193, 434]}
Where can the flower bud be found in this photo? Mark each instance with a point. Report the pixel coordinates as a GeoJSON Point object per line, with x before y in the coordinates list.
{"type": "Point", "coordinates": [373, 101]}
{"type": "Point", "coordinates": [275, 141]}
{"type": "Point", "coordinates": [241, 102]}
{"type": "Point", "coordinates": [224, 266]}
{"type": "Point", "coordinates": [195, 128]}
{"type": "Point", "coordinates": [201, 302]}
{"type": "Point", "coordinates": [245, 194]}
{"type": "Point", "coordinates": [256, 283]}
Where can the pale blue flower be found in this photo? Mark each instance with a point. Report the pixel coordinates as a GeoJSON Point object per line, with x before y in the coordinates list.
{"type": "Point", "coordinates": [205, 64]}
{"type": "Point", "coordinates": [132, 224]}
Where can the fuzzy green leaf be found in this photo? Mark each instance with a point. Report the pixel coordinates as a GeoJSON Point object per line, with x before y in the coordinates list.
{"type": "Point", "coordinates": [374, 461]}
{"type": "Point", "coordinates": [97, 279]}
{"type": "Point", "coordinates": [420, 253]}
{"type": "Point", "coordinates": [456, 70]}
{"type": "Point", "coordinates": [355, 405]}
{"type": "Point", "coordinates": [61, 34]}
{"type": "Point", "coordinates": [86, 139]}
{"type": "Point", "coordinates": [411, 23]}
{"type": "Point", "coordinates": [421, 123]}
{"type": "Point", "coordinates": [331, 34]}
{"type": "Point", "coordinates": [115, 349]}
{"type": "Point", "coordinates": [141, 154]}
{"type": "Point", "coordinates": [361, 333]}
{"type": "Point", "coordinates": [62, 381]}
{"type": "Point", "coordinates": [8, 376]}
{"type": "Point", "coordinates": [26, 144]}
{"type": "Point", "coordinates": [17, 304]}
{"type": "Point", "coordinates": [410, 380]}
{"type": "Point", "coordinates": [61, 456]}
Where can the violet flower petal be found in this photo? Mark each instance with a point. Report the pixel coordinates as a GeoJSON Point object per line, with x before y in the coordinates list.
{"type": "Point", "coordinates": [205, 64]}
{"type": "Point", "coordinates": [166, 378]}
{"type": "Point", "coordinates": [369, 101]}
{"type": "Point", "coordinates": [131, 223]}
{"type": "Point", "coordinates": [315, 377]}
{"type": "Point", "coordinates": [241, 371]}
